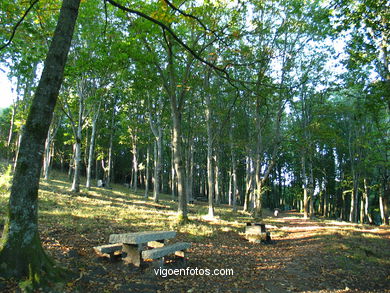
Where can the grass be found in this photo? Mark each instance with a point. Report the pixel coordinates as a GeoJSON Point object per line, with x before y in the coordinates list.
{"type": "Point", "coordinates": [122, 210]}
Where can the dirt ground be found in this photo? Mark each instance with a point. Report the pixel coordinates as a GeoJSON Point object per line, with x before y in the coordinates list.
{"type": "Point", "coordinates": [305, 256]}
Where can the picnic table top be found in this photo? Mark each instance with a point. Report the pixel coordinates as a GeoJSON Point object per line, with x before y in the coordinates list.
{"type": "Point", "coordinates": [141, 237]}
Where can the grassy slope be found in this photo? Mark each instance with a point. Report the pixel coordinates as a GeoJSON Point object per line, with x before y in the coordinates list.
{"type": "Point", "coordinates": [307, 255]}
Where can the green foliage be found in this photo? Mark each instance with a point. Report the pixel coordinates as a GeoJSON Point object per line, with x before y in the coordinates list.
{"type": "Point", "coordinates": [5, 178]}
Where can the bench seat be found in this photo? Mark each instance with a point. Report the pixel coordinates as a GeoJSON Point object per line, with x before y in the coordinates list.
{"type": "Point", "coordinates": [160, 252]}
{"type": "Point", "coordinates": [109, 249]}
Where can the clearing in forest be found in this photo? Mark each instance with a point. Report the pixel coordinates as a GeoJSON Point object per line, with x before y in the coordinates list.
{"type": "Point", "coordinates": [313, 255]}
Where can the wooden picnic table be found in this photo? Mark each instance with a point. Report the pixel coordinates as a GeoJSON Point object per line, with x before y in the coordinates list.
{"type": "Point", "coordinates": [135, 246]}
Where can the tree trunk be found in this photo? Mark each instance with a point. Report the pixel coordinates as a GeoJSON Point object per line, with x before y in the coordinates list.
{"type": "Point", "coordinates": [353, 215]}
{"type": "Point", "coordinates": [233, 191]}
{"type": "Point", "coordinates": [366, 198]}
{"type": "Point", "coordinates": [178, 165]}
{"type": "Point", "coordinates": [91, 149]}
{"type": "Point", "coordinates": [77, 164]}
{"type": "Point", "coordinates": [78, 138]}
{"type": "Point", "coordinates": [210, 169]}
{"type": "Point", "coordinates": [190, 170]}
{"type": "Point", "coordinates": [248, 181]}
{"type": "Point", "coordinates": [134, 150]}
{"type": "Point", "coordinates": [20, 135]}
{"type": "Point", "coordinates": [147, 172]}
{"type": "Point", "coordinates": [230, 192]}
{"type": "Point", "coordinates": [173, 177]}
{"type": "Point", "coordinates": [112, 132]}
{"type": "Point", "coordinates": [157, 132]}
{"type": "Point", "coordinates": [47, 157]}
{"type": "Point", "coordinates": [49, 148]}
{"type": "Point", "coordinates": [21, 253]}
{"type": "Point", "coordinates": [383, 204]}
{"type": "Point", "coordinates": [216, 180]}
{"type": "Point", "coordinates": [305, 190]}
{"type": "Point", "coordinates": [311, 189]}
{"type": "Point", "coordinates": [157, 167]}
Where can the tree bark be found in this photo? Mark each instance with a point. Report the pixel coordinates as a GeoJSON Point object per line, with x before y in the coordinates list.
{"type": "Point", "coordinates": [311, 189]}
{"type": "Point", "coordinates": [77, 161]}
{"type": "Point", "coordinates": [216, 180]}
{"type": "Point", "coordinates": [147, 172]}
{"type": "Point", "coordinates": [234, 191]}
{"type": "Point", "coordinates": [383, 204]}
{"type": "Point", "coordinates": [134, 151]}
{"type": "Point", "coordinates": [305, 189]}
{"type": "Point", "coordinates": [248, 181]}
{"type": "Point", "coordinates": [173, 177]}
{"type": "Point", "coordinates": [157, 132]}
{"type": "Point", "coordinates": [49, 146]}
{"type": "Point", "coordinates": [210, 169]}
{"type": "Point", "coordinates": [190, 171]}
{"type": "Point", "coordinates": [92, 148]}
{"type": "Point", "coordinates": [21, 252]}
{"type": "Point", "coordinates": [112, 132]}
{"type": "Point", "coordinates": [230, 192]}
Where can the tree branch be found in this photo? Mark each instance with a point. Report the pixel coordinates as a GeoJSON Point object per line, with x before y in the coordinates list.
{"type": "Point", "coordinates": [17, 25]}
{"type": "Point", "coordinates": [177, 39]}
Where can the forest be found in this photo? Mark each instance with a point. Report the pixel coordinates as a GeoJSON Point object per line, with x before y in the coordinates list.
{"type": "Point", "coordinates": [212, 107]}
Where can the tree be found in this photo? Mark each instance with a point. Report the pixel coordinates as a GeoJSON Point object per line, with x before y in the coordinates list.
{"type": "Point", "coordinates": [21, 252]}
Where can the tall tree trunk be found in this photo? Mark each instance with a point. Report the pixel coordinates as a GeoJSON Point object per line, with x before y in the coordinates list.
{"type": "Point", "coordinates": [77, 130]}
{"type": "Point", "coordinates": [353, 215]}
{"type": "Point", "coordinates": [20, 135]}
{"type": "Point", "coordinates": [77, 164]}
{"type": "Point", "coordinates": [305, 189]}
{"type": "Point", "coordinates": [311, 189]}
{"type": "Point", "coordinates": [157, 132]}
{"type": "Point", "coordinates": [71, 163]}
{"type": "Point", "coordinates": [21, 252]}
{"type": "Point", "coordinates": [178, 164]}
{"type": "Point", "coordinates": [230, 191]}
{"type": "Point", "coordinates": [190, 171]}
{"type": "Point", "coordinates": [173, 177]}
{"type": "Point", "coordinates": [248, 181]}
{"type": "Point", "coordinates": [47, 157]}
{"type": "Point", "coordinates": [210, 169]}
{"type": "Point", "coordinates": [92, 149]}
{"type": "Point", "coordinates": [366, 198]}
{"type": "Point", "coordinates": [134, 150]}
{"type": "Point", "coordinates": [325, 198]}
{"type": "Point", "coordinates": [157, 169]}
{"type": "Point", "coordinates": [112, 132]}
{"type": "Point", "coordinates": [383, 204]}
{"type": "Point", "coordinates": [147, 172]}
{"type": "Point", "coordinates": [216, 180]}
{"type": "Point", "coordinates": [234, 190]}
{"type": "Point", "coordinates": [49, 147]}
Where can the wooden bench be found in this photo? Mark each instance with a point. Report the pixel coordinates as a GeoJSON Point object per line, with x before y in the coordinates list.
{"type": "Point", "coordinates": [138, 246]}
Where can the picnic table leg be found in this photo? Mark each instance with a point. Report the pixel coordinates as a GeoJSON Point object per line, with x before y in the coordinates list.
{"type": "Point", "coordinates": [132, 254]}
{"type": "Point", "coordinates": [159, 263]}
{"type": "Point", "coordinates": [182, 256]}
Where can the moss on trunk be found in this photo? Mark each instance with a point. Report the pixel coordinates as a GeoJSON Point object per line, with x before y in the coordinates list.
{"type": "Point", "coordinates": [28, 262]}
